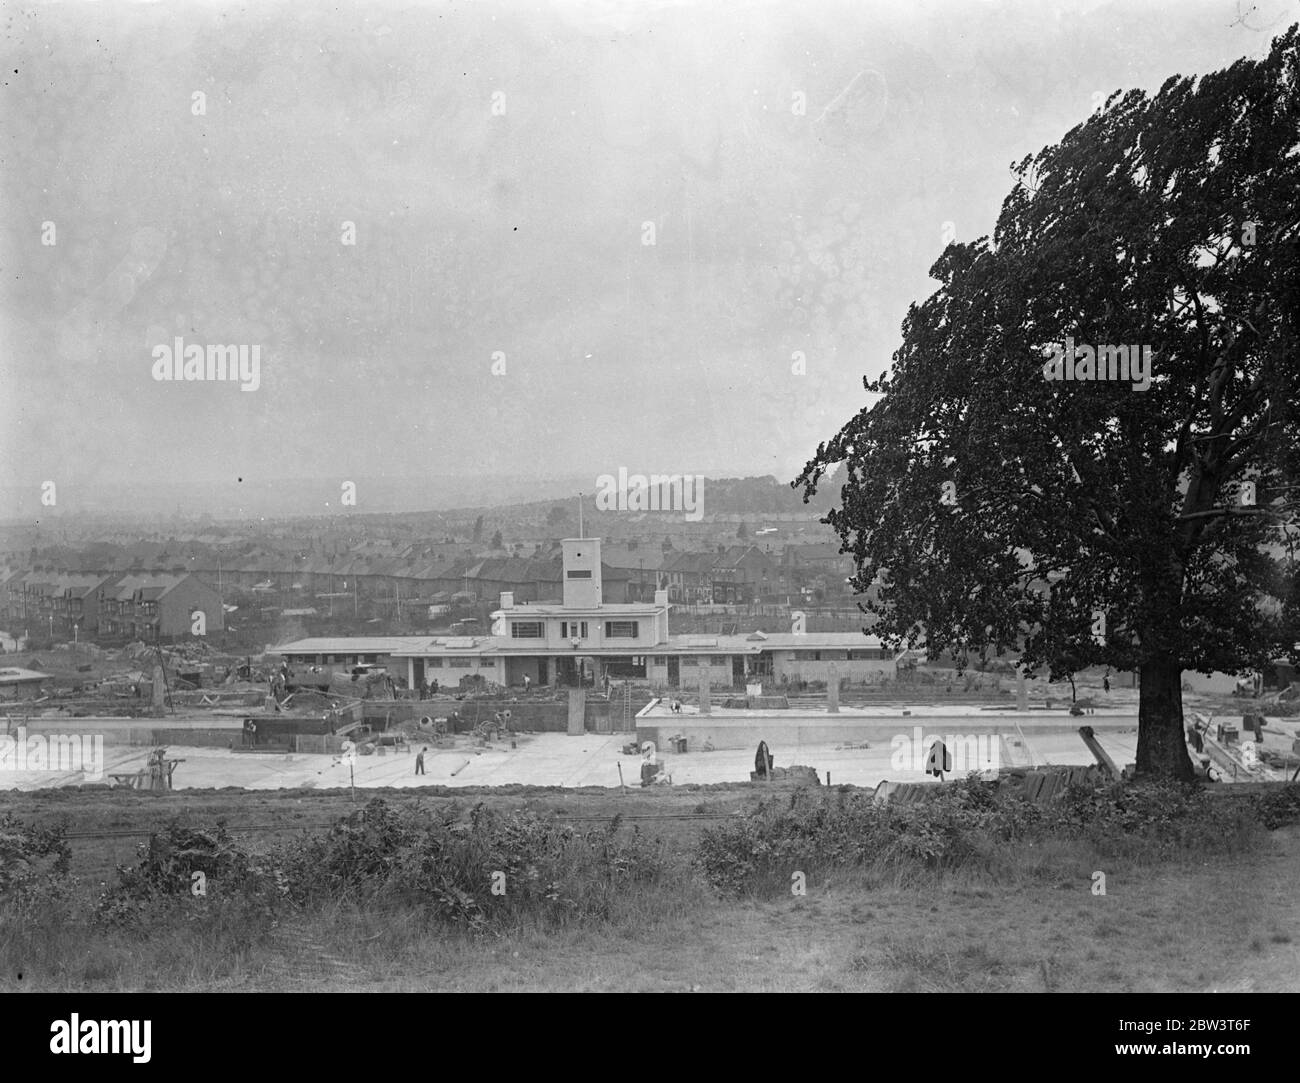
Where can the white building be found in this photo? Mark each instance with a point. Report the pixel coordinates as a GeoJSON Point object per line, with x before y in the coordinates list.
{"type": "Point", "coordinates": [581, 639]}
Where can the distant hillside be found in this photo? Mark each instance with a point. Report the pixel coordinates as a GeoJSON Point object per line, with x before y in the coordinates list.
{"type": "Point", "coordinates": [249, 498]}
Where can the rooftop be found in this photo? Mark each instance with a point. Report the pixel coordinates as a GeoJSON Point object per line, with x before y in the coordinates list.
{"type": "Point", "coordinates": [18, 675]}
{"type": "Point", "coordinates": [350, 645]}
{"type": "Point", "coordinates": [556, 609]}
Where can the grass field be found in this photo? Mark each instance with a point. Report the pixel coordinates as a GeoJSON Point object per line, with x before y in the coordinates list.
{"type": "Point", "coordinates": [1196, 922]}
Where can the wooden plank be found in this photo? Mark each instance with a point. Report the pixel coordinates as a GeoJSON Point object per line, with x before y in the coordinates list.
{"type": "Point", "coordinates": [1099, 753]}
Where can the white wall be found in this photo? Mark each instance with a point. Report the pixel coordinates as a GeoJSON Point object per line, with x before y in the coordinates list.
{"type": "Point", "coordinates": [859, 671]}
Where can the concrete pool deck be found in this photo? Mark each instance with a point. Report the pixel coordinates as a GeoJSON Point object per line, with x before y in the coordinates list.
{"type": "Point", "coordinates": [895, 748]}
{"type": "Point", "coordinates": [735, 728]}
{"type": "Point", "coordinates": [547, 759]}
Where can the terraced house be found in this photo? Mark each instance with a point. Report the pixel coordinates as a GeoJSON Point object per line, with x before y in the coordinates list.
{"type": "Point", "coordinates": [158, 606]}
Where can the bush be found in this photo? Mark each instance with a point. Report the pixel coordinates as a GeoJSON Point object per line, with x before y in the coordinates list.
{"type": "Point", "coordinates": [34, 880]}
{"type": "Point", "coordinates": [496, 869]}
{"type": "Point", "coordinates": [1279, 808]}
{"type": "Point", "coordinates": [166, 879]}
{"type": "Point", "coordinates": [758, 851]}
{"type": "Point", "coordinates": [1156, 818]}
{"type": "Point", "coordinates": [964, 825]}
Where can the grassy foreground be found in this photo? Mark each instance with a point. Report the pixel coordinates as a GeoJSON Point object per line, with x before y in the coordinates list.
{"type": "Point", "coordinates": [972, 894]}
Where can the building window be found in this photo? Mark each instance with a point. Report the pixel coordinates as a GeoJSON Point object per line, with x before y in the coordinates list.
{"type": "Point", "coordinates": [620, 629]}
{"type": "Point", "coordinates": [720, 660]}
{"type": "Point", "coordinates": [578, 574]}
{"type": "Point", "coordinates": [573, 628]}
{"type": "Point", "coordinates": [436, 663]}
{"type": "Point", "coordinates": [459, 663]}
{"type": "Point", "coordinates": [526, 629]}
{"type": "Point", "coordinates": [661, 659]}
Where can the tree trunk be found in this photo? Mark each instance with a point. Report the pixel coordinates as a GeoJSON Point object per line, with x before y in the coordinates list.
{"type": "Point", "coordinates": [1162, 746]}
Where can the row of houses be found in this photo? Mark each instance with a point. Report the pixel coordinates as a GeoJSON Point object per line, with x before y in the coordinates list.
{"type": "Point", "coordinates": [736, 574]}
{"type": "Point", "coordinates": [118, 605]}
{"type": "Point", "coordinates": [733, 575]}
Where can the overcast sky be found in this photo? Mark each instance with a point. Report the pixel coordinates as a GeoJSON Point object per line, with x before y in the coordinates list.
{"type": "Point", "coordinates": [499, 162]}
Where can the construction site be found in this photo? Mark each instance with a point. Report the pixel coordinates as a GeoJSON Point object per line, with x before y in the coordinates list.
{"type": "Point", "coordinates": [188, 718]}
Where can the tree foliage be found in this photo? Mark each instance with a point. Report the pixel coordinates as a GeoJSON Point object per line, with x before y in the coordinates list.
{"type": "Point", "coordinates": [999, 510]}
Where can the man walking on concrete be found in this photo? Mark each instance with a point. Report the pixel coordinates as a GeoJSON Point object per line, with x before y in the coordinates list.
{"type": "Point", "coordinates": [419, 760]}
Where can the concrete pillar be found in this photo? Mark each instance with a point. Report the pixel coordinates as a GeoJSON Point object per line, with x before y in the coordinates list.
{"type": "Point", "coordinates": [159, 693]}
{"type": "Point", "coordinates": [706, 705]}
{"type": "Point", "coordinates": [1022, 692]}
{"type": "Point", "coordinates": [833, 691]}
{"type": "Point", "coordinates": [577, 712]}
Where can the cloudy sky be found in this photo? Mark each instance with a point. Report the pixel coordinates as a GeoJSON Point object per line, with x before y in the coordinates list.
{"type": "Point", "coordinates": [200, 167]}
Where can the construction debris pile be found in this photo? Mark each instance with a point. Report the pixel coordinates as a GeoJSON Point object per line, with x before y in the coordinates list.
{"type": "Point", "coordinates": [1041, 785]}
{"type": "Point", "coordinates": [1222, 753]}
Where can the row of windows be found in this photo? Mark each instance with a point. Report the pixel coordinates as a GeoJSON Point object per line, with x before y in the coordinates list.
{"type": "Point", "coordinates": [866, 654]}
{"type": "Point", "coordinates": [863, 655]}
{"type": "Point", "coordinates": [573, 629]}
{"type": "Point", "coordinates": [624, 629]}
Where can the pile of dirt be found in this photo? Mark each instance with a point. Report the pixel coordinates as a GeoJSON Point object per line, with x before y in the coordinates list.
{"type": "Point", "coordinates": [797, 774]}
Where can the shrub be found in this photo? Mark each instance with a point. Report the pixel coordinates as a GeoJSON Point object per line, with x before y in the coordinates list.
{"type": "Point", "coordinates": [1157, 818]}
{"type": "Point", "coordinates": [966, 824]}
{"type": "Point", "coordinates": [163, 880]}
{"type": "Point", "coordinates": [1279, 808]}
{"type": "Point", "coordinates": [540, 869]}
{"type": "Point", "coordinates": [34, 861]}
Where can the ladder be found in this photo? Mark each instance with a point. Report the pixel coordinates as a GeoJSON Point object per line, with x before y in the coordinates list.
{"type": "Point", "coordinates": [627, 706]}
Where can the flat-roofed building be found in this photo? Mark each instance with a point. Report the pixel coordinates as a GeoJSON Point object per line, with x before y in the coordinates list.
{"type": "Point", "coordinates": [582, 639]}
{"type": "Point", "coordinates": [19, 683]}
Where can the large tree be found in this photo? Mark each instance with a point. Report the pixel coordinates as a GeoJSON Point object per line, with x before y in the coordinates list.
{"type": "Point", "coordinates": [1088, 522]}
